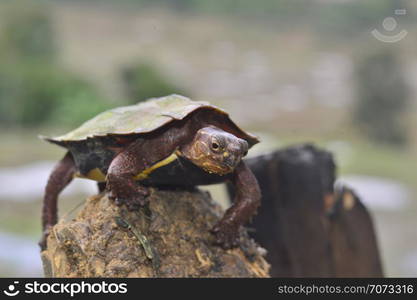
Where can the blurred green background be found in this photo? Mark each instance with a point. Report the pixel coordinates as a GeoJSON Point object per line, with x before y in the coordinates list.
{"type": "Point", "coordinates": [288, 70]}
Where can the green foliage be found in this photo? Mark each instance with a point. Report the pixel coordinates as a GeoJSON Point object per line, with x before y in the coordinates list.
{"type": "Point", "coordinates": [338, 18]}
{"type": "Point", "coordinates": [34, 89]}
{"type": "Point", "coordinates": [142, 81]}
{"type": "Point", "coordinates": [79, 106]}
{"type": "Point", "coordinates": [382, 98]}
{"type": "Point", "coordinates": [343, 20]}
{"type": "Point", "coordinates": [27, 32]}
{"type": "Point", "coordinates": [37, 94]}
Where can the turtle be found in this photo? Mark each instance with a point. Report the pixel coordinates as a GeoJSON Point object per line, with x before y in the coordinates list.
{"type": "Point", "coordinates": [169, 141]}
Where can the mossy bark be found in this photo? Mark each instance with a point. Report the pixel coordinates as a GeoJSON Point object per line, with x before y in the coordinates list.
{"type": "Point", "coordinates": [168, 238]}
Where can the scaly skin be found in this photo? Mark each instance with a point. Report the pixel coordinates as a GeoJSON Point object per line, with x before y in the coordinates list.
{"type": "Point", "coordinates": [245, 204]}
{"type": "Point", "coordinates": [60, 177]}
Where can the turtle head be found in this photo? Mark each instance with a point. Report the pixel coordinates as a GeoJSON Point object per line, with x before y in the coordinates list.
{"type": "Point", "coordinates": [215, 150]}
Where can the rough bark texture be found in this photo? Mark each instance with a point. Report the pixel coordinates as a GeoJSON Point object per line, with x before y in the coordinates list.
{"type": "Point", "coordinates": [170, 238]}
{"type": "Point", "coordinates": [307, 228]}
{"type": "Point", "coordinates": [353, 239]}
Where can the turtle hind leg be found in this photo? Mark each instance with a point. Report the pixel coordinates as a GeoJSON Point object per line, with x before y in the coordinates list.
{"type": "Point", "coordinates": [60, 177]}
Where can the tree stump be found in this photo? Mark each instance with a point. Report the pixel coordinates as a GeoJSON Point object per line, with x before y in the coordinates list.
{"type": "Point", "coordinates": [307, 228]}
{"type": "Point", "coordinates": [353, 239]}
{"type": "Point", "coordinates": [168, 238]}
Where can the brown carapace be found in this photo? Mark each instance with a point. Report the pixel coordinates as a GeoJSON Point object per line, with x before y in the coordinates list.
{"type": "Point", "coordinates": [168, 141]}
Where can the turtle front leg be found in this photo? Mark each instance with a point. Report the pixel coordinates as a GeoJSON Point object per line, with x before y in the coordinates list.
{"type": "Point", "coordinates": [245, 204]}
{"type": "Point", "coordinates": [120, 178]}
{"type": "Point", "coordinates": [140, 155]}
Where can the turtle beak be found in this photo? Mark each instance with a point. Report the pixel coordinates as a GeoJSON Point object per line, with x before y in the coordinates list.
{"type": "Point", "coordinates": [234, 154]}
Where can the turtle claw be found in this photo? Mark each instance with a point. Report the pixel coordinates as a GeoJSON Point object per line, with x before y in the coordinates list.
{"type": "Point", "coordinates": [226, 235]}
{"type": "Point", "coordinates": [137, 198]}
{"type": "Point", "coordinates": [133, 203]}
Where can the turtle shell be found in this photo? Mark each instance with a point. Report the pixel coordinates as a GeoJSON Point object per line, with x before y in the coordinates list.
{"type": "Point", "coordinates": [145, 117]}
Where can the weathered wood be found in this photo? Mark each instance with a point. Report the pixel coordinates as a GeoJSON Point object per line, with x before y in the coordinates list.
{"type": "Point", "coordinates": [304, 228]}
{"type": "Point", "coordinates": [170, 238]}
{"type": "Point", "coordinates": [353, 239]}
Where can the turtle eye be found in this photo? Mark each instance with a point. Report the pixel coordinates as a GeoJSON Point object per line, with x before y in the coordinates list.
{"type": "Point", "coordinates": [215, 146]}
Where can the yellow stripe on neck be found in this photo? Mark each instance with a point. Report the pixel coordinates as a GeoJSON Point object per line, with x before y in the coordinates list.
{"type": "Point", "coordinates": [145, 173]}
{"type": "Point", "coordinates": [94, 174]}
{"type": "Point", "coordinates": [97, 175]}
